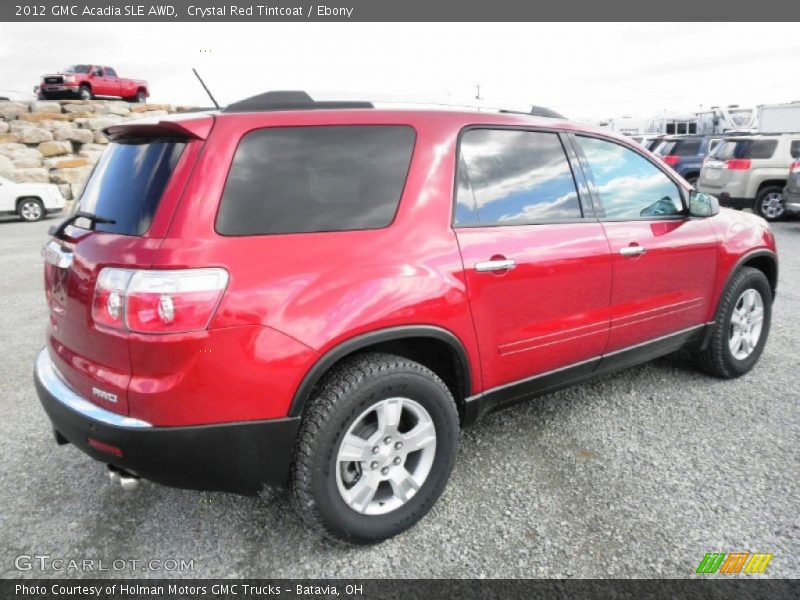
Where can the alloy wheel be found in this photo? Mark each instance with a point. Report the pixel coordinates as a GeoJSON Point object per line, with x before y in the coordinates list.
{"type": "Point", "coordinates": [746, 324]}
{"type": "Point", "coordinates": [31, 211]}
{"type": "Point", "coordinates": [772, 205]}
{"type": "Point", "coordinates": [385, 456]}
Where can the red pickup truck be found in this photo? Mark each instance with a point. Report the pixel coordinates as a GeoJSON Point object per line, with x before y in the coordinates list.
{"type": "Point", "coordinates": [88, 81]}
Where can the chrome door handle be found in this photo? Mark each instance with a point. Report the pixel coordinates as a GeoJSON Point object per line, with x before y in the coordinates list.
{"type": "Point", "coordinates": [495, 265]}
{"type": "Point", "coordinates": [632, 250]}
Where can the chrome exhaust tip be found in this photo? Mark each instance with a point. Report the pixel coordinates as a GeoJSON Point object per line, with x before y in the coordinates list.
{"type": "Point", "coordinates": [127, 481]}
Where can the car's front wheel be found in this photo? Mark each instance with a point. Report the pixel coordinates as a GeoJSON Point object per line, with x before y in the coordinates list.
{"type": "Point", "coordinates": [740, 327]}
{"type": "Point", "coordinates": [30, 209]}
{"type": "Point", "coordinates": [375, 449]}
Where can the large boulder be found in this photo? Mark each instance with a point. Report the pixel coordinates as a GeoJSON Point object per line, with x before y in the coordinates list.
{"type": "Point", "coordinates": [3, 126]}
{"type": "Point", "coordinates": [10, 110]}
{"type": "Point", "coordinates": [23, 153]}
{"type": "Point", "coordinates": [9, 138]}
{"type": "Point", "coordinates": [100, 123]}
{"type": "Point", "coordinates": [66, 162]}
{"type": "Point", "coordinates": [78, 107]}
{"type": "Point", "coordinates": [100, 138]}
{"type": "Point", "coordinates": [27, 163]}
{"type": "Point", "coordinates": [55, 148]}
{"type": "Point", "coordinates": [46, 107]}
{"type": "Point", "coordinates": [8, 148]}
{"type": "Point", "coordinates": [138, 108]}
{"type": "Point", "coordinates": [20, 125]}
{"type": "Point", "coordinates": [81, 136]}
{"type": "Point", "coordinates": [46, 116]}
{"type": "Point", "coordinates": [72, 175]}
{"type": "Point", "coordinates": [34, 135]}
{"type": "Point", "coordinates": [66, 190]}
{"type": "Point", "coordinates": [91, 155]}
{"type": "Point", "coordinates": [6, 166]}
{"type": "Point", "coordinates": [118, 108]}
{"type": "Point", "coordinates": [35, 175]}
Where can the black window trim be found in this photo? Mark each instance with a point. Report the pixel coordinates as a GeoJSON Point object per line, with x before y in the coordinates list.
{"type": "Point", "coordinates": [581, 187]}
{"type": "Point", "coordinates": [326, 231]}
{"type": "Point", "coordinates": [599, 208]}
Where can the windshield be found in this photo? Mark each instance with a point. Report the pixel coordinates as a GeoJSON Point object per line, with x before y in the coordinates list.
{"type": "Point", "coordinates": [77, 69]}
{"type": "Point", "coordinates": [127, 183]}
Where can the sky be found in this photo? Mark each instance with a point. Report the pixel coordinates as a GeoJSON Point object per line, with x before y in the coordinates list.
{"type": "Point", "coordinates": [586, 71]}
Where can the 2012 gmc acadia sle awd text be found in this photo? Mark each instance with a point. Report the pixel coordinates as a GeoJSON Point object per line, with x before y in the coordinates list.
{"type": "Point", "coordinates": [321, 294]}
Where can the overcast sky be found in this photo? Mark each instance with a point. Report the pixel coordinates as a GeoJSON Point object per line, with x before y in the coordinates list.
{"type": "Point", "coordinates": [582, 70]}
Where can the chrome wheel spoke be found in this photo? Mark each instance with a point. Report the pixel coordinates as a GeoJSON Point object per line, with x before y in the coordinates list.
{"type": "Point", "coordinates": [354, 449]}
{"type": "Point", "coordinates": [389, 413]}
{"type": "Point", "coordinates": [746, 323]}
{"type": "Point", "coordinates": [362, 493]}
{"type": "Point", "coordinates": [422, 436]}
{"type": "Point", "coordinates": [403, 484]}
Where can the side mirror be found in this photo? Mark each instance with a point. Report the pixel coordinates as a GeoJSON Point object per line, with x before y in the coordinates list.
{"type": "Point", "coordinates": [702, 205]}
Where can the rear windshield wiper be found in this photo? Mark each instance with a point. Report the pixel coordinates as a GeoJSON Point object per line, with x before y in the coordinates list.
{"type": "Point", "coordinates": [57, 231]}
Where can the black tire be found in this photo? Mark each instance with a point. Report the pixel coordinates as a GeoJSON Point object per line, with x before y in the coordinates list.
{"type": "Point", "coordinates": [717, 359]}
{"type": "Point", "coordinates": [141, 97]}
{"type": "Point", "coordinates": [30, 209]}
{"type": "Point", "coordinates": [352, 388]}
{"type": "Point", "coordinates": [85, 92]}
{"type": "Point", "coordinates": [764, 211]}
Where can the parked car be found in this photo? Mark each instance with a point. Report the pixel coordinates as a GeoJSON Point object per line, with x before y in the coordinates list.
{"type": "Point", "coordinates": [685, 153]}
{"type": "Point", "coordinates": [321, 298]}
{"type": "Point", "coordinates": [31, 201]}
{"type": "Point", "coordinates": [750, 171]}
{"type": "Point", "coordinates": [791, 193]}
{"type": "Point", "coordinates": [649, 142]}
{"type": "Point", "coordinates": [89, 81]}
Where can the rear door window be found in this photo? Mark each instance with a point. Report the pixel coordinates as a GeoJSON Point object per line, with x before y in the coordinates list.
{"type": "Point", "coordinates": [509, 177]}
{"type": "Point", "coordinates": [313, 179]}
{"type": "Point", "coordinates": [127, 183]}
{"type": "Point", "coordinates": [794, 149]}
{"type": "Point", "coordinates": [688, 148]}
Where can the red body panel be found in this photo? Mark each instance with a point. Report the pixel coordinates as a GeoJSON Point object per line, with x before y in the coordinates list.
{"type": "Point", "coordinates": [292, 298]}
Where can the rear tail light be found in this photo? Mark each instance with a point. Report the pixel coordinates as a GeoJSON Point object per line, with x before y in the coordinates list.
{"type": "Point", "coordinates": [795, 168]}
{"type": "Point", "coordinates": [671, 159]}
{"type": "Point", "coordinates": [737, 164]}
{"type": "Point", "coordinates": [149, 301]}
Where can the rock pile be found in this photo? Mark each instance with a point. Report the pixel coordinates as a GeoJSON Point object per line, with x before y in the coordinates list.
{"type": "Point", "coordinates": [60, 141]}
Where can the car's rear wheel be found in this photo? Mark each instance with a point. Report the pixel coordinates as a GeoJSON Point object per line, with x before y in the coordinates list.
{"type": "Point", "coordinates": [375, 449]}
{"type": "Point", "coordinates": [30, 209]}
{"type": "Point", "coordinates": [770, 203]}
{"type": "Point", "coordinates": [741, 326]}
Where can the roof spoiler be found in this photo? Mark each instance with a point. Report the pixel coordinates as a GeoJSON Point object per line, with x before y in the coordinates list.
{"type": "Point", "coordinates": [289, 100]}
{"type": "Point", "coordinates": [196, 128]}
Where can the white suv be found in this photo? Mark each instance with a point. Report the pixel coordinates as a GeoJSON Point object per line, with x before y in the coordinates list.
{"type": "Point", "coordinates": [31, 201]}
{"type": "Point", "coordinates": [750, 171]}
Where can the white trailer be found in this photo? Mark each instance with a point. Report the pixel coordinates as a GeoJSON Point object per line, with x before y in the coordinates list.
{"type": "Point", "coordinates": [779, 118]}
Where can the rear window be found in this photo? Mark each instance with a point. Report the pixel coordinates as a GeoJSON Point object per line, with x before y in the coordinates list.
{"type": "Point", "coordinates": [728, 149]}
{"type": "Point", "coordinates": [128, 181]}
{"type": "Point", "coordinates": [679, 148]}
{"type": "Point", "coordinates": [311, 179]}
{"type": "Point", "coordinates": [794, 149]}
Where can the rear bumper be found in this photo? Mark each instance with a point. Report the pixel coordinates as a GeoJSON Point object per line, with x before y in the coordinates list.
{"type": "Point", "coordinates": [231, 457]}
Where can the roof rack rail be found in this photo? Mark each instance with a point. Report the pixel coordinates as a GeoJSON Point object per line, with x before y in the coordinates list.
{"type": "Point", "coordinates": [536, 111]}
{"type": "Point", "coordinates": [289, 100]}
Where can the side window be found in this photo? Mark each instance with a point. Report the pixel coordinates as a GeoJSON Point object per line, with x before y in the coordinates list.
{"type": "Point", "coordinates": [794, 149]}
{"type": "Point", "coordinates": [629, 185]}
{"type": "Point", "coordinates": [97, 72]}
{"type": "Point", "coordinates": [762, 149]}
{"type": "Point", "coordinates": [514, 178]}
{"type": "Point", "coordinates": [309, 179]}
{"type": "Point", "coordinates": [110, 72]}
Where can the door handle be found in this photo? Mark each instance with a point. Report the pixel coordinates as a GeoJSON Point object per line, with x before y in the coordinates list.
{"type": "Point", "coordinates": [504, 264]}
{"type": "Point", "coordinates": [632, 250]}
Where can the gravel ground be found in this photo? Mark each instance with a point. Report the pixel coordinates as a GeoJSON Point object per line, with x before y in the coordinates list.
{"type": "Point", "coordinates": [634, 475]}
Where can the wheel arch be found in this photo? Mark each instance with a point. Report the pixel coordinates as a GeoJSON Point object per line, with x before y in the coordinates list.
{"type": "Point", "coordinates": [21, 199]}
{"type": "Point", "coordinates": [764, 260]}
{"type": "Point", "coordinates": [781, 183]}
{"type": "Point", "coordinates": [436, 348]}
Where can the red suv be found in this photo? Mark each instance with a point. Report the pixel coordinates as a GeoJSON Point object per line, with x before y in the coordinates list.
{"type": "Point", "coordinates": [320, 295]}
